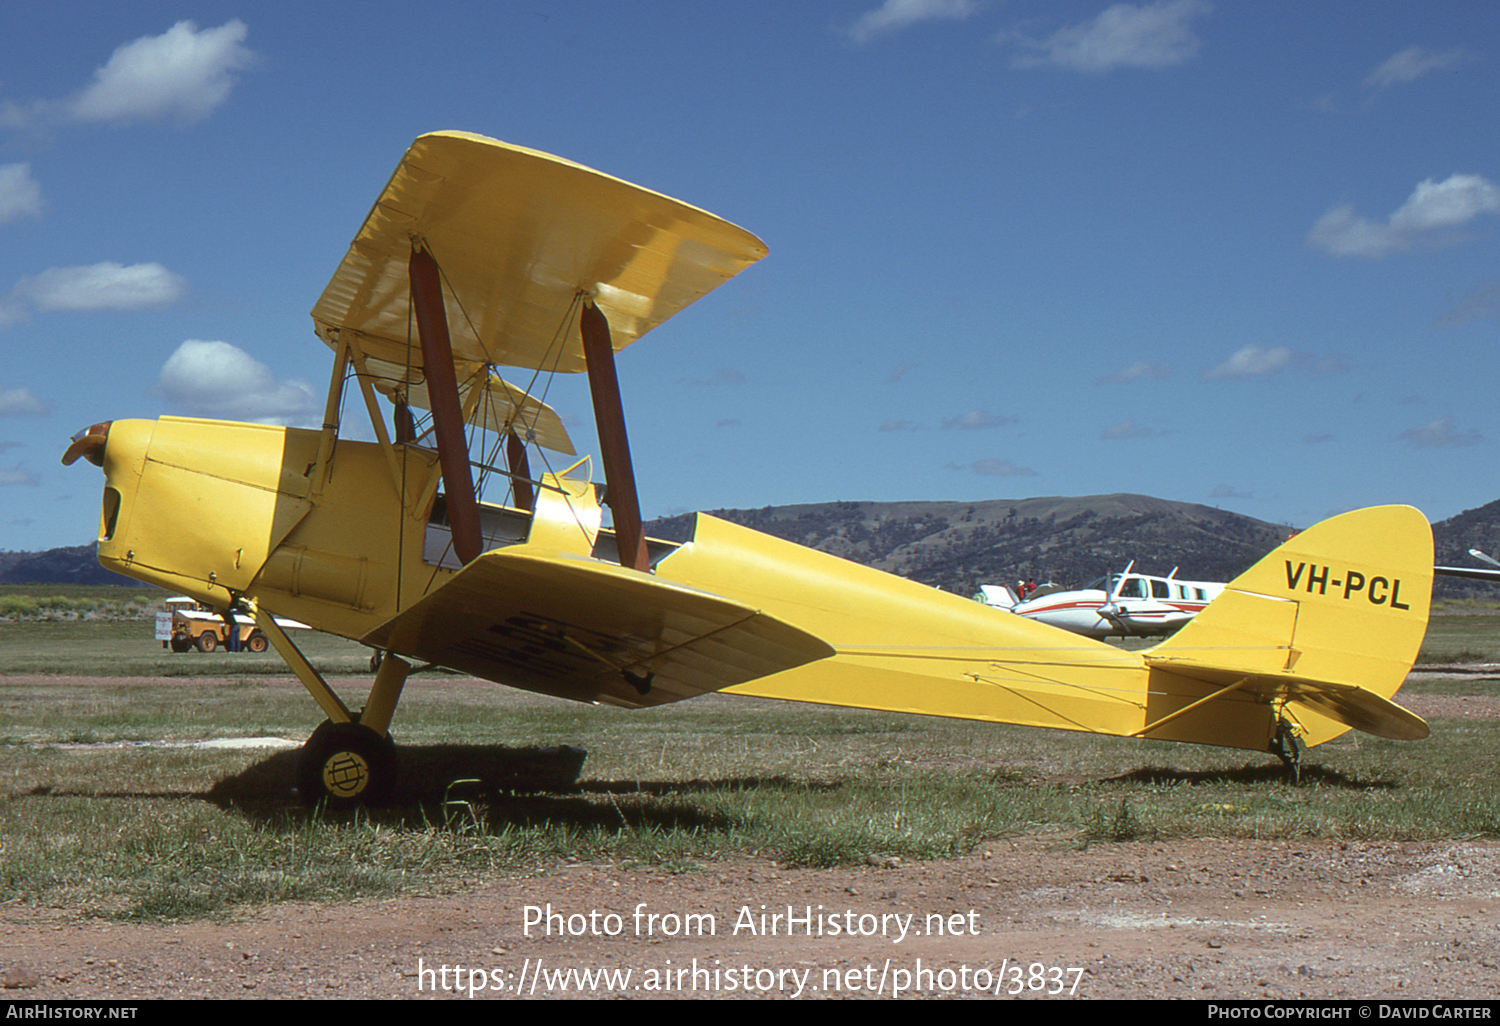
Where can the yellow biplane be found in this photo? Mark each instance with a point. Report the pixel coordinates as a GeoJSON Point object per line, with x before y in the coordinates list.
{"type": "Point", "coordinates": [480, 255]}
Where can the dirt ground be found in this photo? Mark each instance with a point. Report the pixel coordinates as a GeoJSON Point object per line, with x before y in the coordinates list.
{"type": "Point", "coordinates": [1032, 917]}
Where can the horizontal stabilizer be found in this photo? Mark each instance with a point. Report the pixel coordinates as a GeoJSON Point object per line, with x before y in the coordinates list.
{"type": "Point", "coordinates": [1362, 710]}
{"type": "Point", "coordinates": [575, 627]}
{"type": "Point", "coordinates": [1348, 704]}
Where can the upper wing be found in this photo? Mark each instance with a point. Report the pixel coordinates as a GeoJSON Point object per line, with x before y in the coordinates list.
{"type": "Point", "coordinates": [520, 236]}
{"type": "Point", "coordinates": [577, 628]}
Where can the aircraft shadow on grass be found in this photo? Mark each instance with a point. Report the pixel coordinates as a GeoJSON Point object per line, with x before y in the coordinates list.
{"type": "Point", "coordinates": [515, 787]}
{"type": "Point", "coordinates": [1253, 774]}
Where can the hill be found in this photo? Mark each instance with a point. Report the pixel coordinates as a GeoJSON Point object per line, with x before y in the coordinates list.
{"type": "Point", "coordinates": [1453, 538]}
{"type": "Point", "coordinates": [77, 564]}
{"type": "Point", "coordinates": [1471, 529]}
{"type": "Point", "coordinates": [960, 545]}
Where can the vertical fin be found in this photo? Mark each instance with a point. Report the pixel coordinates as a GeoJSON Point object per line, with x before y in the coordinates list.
{"type": "Point", "coordinates": [1334, 613]}
{"type": "Point", "coordinates": [1360, 585]}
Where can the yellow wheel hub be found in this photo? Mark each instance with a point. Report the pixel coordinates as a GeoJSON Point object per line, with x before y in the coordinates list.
{"type": "Point", "coordinates": [346, 774]}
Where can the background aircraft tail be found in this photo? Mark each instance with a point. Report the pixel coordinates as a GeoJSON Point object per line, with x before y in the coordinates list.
{"type": "Point", "coordinates": [1328, 625]}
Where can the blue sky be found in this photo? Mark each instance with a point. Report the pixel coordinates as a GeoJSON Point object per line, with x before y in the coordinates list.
{"type": "Point", "coordinates": [1245, 254]}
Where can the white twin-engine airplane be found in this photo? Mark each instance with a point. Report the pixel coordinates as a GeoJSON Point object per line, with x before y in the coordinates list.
{"type": "Point", "coordinates": [1124, 604]}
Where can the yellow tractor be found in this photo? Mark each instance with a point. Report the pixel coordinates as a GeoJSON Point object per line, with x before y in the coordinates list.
{"type": "Point", "coordinates": [186, 623]}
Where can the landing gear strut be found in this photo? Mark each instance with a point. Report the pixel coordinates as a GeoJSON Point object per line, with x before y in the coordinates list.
{"type": "Point", "coordinates": [1288, 747]}
{"type": "Point", "coordinates": [350, 759]}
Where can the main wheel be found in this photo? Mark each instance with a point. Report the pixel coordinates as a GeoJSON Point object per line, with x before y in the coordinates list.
{"type": "Point", "coordinates": [207, 641]}
{"type": "Point", "coordinates": [345, 765]}
{"type": "Point", "coordinates": [257, 642]}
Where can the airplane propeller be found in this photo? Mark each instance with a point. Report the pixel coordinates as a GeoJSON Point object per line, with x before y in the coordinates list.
{"type": "Point", "coordinates": [1488, 559]}
{"type": "Point", "coordinates": [1111, 609]}
{"type": "Point", "coordinates": [89, 444]}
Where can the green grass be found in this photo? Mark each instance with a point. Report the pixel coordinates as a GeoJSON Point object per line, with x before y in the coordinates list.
{"type": "Point", "coordinates": [73, 601]}
{"type": "Point", "coordinates": [118, 829]}
{"type": "Point", "coordinates": [1464, 637]}
{"type": "Point", "coordinates": [127, 648]}
{"type": "Point", "coordinates": [106, 595]}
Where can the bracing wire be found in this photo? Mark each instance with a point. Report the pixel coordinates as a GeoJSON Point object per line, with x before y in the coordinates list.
{"type": "Point", "coordinates": [556, 347]}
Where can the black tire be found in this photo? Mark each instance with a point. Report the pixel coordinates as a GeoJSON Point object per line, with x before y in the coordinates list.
{"type": "Point", "coordinates": [257, 642]}
{"type": "Point", "coordinates": [208, 641]}
{"type": "Point", "coordinates": [181, 643]}
{"type": "Point", "coordinates": [346, 765]}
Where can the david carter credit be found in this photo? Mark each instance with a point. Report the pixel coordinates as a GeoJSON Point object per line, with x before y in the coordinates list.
{"type": "Point", "coordinates": [1354, 1010]}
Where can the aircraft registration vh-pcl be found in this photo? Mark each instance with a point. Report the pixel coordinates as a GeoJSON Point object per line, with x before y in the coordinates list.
{"type": "Point", "coordinates": [480, 254]}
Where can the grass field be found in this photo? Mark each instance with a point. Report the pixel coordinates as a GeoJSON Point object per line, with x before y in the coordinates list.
{"type": "Point", "coordinates": [96, 820]}
{"type": "Point", "coordinates": [124, 648]}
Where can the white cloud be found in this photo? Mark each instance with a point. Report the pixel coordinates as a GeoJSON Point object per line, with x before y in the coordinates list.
{"type": "Point", "coordinates": [19, 402]}
{"type": "Point", "coordinates": [1342, 232]}
{"type": "Point", "coordinates": [1155, 35]}
{"type": "Point", "coordinates": [20, 195]}
{"type": "Point", "coordinates": [17, 476]}
{"type": "Point", "coordinates": [1446, 204]}
{"type": "Point", "coordinates": [1411, 64]}
{"type": "Point", "coordinates": [898, 14]}
{"type": "Point", "coordinates": [1251, 361]}
{"type": "Point", "coordinates": [106, 286]}
{"type": "Point", "coordinates": [1432, 209]}
{"type": "Point", "coordinates": [1439, 434]}
{"type": "Point", "coordinates": [216, 379]}
{"type": "Point", "coordinates": [1224, 491]}
{"type": "Point", "coordinates": [182, 73]}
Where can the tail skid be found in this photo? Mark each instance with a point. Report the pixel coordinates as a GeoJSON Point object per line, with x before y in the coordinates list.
{"type": "Point", "coordinates": [1326, 627]}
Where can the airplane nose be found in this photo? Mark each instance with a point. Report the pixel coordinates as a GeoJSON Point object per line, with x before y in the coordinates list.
{"type": "Point", "coordinates": [88, 443]}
